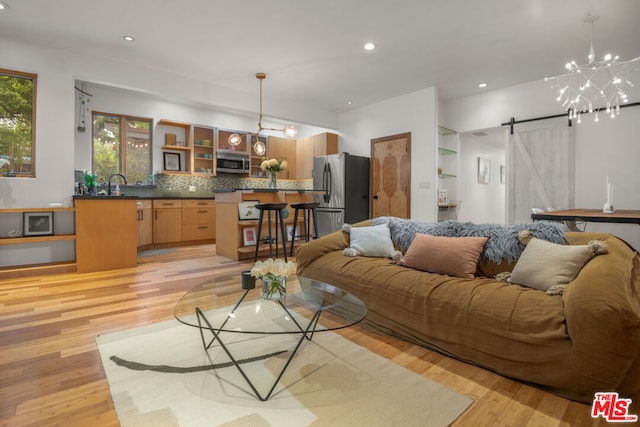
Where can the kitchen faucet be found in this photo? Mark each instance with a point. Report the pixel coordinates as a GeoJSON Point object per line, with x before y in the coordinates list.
{"type": "Point", "coordinates": [109, 181]}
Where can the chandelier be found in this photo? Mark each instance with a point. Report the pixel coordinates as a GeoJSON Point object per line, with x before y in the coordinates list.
{"type": "Point", "coordinates": [259, 147]}
{"type": "Point", "coordinates": [594, 86]}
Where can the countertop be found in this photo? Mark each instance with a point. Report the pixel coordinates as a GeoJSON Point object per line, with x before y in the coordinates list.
{"type": "Point", "coordinates": [125, 197]}
{"type": "Point", "coordinates": [265, 190]}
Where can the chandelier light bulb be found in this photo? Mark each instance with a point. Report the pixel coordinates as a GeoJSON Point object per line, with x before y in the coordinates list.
{"type": "Point", "coordinates": [596, 119]}
{"type": "Point", "coordinates": [607, 57]}
{"type": "Point", "coordinates": [290, 131]}
{"type": "Point", "coordinates": [579, 118]}
{"type": "Point", "coordinates": [235, 139]}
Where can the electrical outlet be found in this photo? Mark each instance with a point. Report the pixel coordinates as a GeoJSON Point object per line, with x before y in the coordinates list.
{"type": "Point", "coordinates": [192, 188]}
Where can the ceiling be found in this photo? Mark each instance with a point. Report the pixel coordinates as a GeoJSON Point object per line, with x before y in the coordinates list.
{"type": "Point", "coordinates": [312, 51]}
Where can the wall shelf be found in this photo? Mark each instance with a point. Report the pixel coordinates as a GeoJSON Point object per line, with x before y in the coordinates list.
{"type": "Point", "coordinates": [36, 239]}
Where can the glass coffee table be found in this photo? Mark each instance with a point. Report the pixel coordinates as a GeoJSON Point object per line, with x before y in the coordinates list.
{"type": "Point", "coordinates": [311, 306]}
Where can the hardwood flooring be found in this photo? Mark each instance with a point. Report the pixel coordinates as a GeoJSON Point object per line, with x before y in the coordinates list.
{"type": "Point", "coordinates": [51, 374]}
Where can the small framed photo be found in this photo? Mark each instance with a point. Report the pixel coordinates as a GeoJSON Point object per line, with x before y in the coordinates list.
{"type": "Point", "coordinates": [503, 174]}
{"type": "Point", "coordinates": [484, 170]}
{"type": "Point", "coordinates": [249, 236]}
{"type": "Point", "coordinates": [38, 223]}
{"type": "Point", "coordinates": [171, 161]}
{"type": "Point", "coordinates": [290, 233]}
{"type": "Point", "coordinates": [248, 210]}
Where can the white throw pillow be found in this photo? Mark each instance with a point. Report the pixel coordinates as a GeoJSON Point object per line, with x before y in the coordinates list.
{"type": "Point", "coordinates": [373, 241]}
{"type": "Point", "coordinates": [544, 264]}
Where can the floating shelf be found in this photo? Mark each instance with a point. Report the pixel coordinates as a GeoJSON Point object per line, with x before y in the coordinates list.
{"type": "Point", "coordinates": [446, 151]}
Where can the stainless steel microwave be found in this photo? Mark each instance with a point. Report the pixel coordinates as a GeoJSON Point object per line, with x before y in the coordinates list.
{"type": "Point", "coordinates": [233, 163]}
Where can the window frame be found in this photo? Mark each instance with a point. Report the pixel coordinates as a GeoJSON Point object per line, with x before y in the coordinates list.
{"type": "Point", "coordinates": [34, 79]}
{"type": "Point", "coordinates": [122, 157]}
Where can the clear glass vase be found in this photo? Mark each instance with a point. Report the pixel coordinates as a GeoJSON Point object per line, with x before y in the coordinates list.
{"type": "Point", "coordinates": [274, 288]}
{"type": "Point", "coordinates": [273, 181]}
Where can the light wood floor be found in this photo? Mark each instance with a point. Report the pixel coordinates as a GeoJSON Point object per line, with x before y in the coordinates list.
{"type": "Point", "coordinates": [51, 374]}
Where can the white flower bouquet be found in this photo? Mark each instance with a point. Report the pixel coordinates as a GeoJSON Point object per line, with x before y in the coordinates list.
{"type": "Point", "coordinates": [273, 165]}
{"type": "Point", "coordinates": [273, 274]}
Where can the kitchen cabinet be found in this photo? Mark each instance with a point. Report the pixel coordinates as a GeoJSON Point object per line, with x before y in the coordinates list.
{"type": "Point", "coordinates": [203, 140]}
{"type": "Point", "coordinates": [223, 142]}
{"type": "Point", "coordinates": [106, 237]}
{"type": "Point", "coordinates": [144, 216]}
{"type": "Point", "coordinates": [167, 221]}
{"type": "Point", "coordinates": [309, 147]}
{"type": "Point", "coordinates": [283, 149]}
{"type": "Point", "coordinates": [198, 220]}
{"type": "Point", "coordinates": [177, 142]}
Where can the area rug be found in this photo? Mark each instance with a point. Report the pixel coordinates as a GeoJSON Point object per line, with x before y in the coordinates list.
{"type": "Point", "coordinates": [160, 375]}
{"type": "Point", "coordinates": [155, 252]}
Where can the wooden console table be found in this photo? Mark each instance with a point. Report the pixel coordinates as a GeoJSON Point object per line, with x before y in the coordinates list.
{"type": "Point", "coordinates": [590, 215]}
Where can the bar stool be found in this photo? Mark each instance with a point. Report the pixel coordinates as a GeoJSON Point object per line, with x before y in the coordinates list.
{"type": "Point", "coordinates": [277, 208]}
{"type": "Point", "coordinates": [308, 211]}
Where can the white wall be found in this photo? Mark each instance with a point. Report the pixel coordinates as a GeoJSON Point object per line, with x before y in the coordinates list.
{"type": "Point", "coordinates": [610, 147]}
{"type": "Point", "coordinates": [118, 101]}
{"type": "Point", "coordinates": [415, 113]}
{"type": "Point", "coordinates": [56, 118]}
{"type": "Point", "coordinates": [481, 203]}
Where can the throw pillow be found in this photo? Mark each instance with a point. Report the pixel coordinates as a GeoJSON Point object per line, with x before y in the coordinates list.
{"type": "Point", "coordinates": [373, 241]}
{"type": "Point", "coordinates": [454, 256]}
{"type": "Point", "coordinates": [544, 265]}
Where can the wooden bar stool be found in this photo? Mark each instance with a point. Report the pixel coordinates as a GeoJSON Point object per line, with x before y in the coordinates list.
{"type": "Point", "coordinates": [308, 211]}
{"type": "Point", "coordinates": [277, 208]}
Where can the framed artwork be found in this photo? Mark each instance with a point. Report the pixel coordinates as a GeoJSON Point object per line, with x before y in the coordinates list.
{"type": "Point", "coordinates": [38, 223]}
{"type": "Point", "coordinates": [290, 232]}
{"type": "Point", "coordinates": [503, 174]}
{"type": "Point", "coordinates": [247, 210]}
{"type": "Point", "coordinates": [484, 170]}
{"type": "Point", "coordinates": [171, 161]}
{"type": "Point", "coordinates": [249, 236]}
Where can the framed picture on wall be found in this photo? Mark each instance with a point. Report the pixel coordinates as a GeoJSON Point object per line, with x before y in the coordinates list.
{"type": "Point", "coordinates": [248, 210]}
{"type": "Point", "coordinates": [171, 161]}
{"type": "Point", "coordinates": [484, 170]}
{"type": "Point", "coordinates": [249, 236]}
{"type": "Point", "coordinates": [38, 223]}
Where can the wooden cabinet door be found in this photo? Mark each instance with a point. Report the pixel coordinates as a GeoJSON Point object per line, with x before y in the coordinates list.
{"type": "Point", "coordinates": [145, 226]}
{"type": "Point", "coordinates": [304, 157]}
{"type": "Point", "coordinates": [278, 150]}
{"type": "Point", "coordinates": [167, 221]}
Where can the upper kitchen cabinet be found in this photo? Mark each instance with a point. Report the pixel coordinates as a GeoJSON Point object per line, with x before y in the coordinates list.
{"type": "Point", "coordinates": [225, 146]}
{"type": "Point", "coordinates": [310, 147]}
{"type": "Point", "coordinates": [176, 151]}
{"type": "Point", "coordinates": [283, 149]}
{"type": "Point", "coordinates": [203, 155]}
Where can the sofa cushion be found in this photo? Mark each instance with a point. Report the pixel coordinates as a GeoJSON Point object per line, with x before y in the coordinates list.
{"type": "Point", "coordinates": [544, 264]}
{"type": "Point", "coordinates": [374, 241]}
{"type": "Point", "coordinates": [454, 256]}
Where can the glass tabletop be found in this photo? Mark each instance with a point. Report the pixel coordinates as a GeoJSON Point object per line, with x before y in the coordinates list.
{"type": "Point", "coordinates": [228, 310]}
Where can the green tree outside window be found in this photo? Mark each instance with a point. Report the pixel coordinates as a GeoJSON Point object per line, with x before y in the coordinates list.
{"type": "Point", "coordinates": [17, 121]}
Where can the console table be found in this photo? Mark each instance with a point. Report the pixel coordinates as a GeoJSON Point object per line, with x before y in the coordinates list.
{"type": "Point", "coordinates": [590, 215]}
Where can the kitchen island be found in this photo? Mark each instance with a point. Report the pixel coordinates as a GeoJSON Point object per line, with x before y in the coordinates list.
{"type": "Point", "coordinates": [230, 229]}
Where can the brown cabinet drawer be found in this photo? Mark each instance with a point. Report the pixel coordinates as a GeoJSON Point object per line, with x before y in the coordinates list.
{"type": "Point", "coordinates": [144, 204]}
{"type": "Point", "coordinates": [198, 203]}
{"type": "Point", "coordinates": [205, 216]}
{"type": "Point", "coordinates": [167, 204]}
{"type": "Point", "coordinates": [198, 231]}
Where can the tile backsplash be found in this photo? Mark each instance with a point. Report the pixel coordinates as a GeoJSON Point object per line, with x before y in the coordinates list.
{"type": "Point", "coordinates": [178, 185]}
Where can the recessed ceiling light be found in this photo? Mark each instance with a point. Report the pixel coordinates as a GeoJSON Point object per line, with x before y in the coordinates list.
{"type": "Point", "coordinates": [369, 46]}
{"type": "Point", "coordinates": [349, 102]}
{"type": "Point", "coordinates": [128, 38]}
{"type": "Point", "coordinates": [3, 5]}
{"type": "Point", "coordinates": [481, 85]}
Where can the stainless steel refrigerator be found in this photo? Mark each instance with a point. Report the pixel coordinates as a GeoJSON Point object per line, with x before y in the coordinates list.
{"type": "Point", "coordinates": [344, 181]}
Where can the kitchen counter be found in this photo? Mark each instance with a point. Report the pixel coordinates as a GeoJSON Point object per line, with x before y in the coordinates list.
{"type": "Point", "coordinates": [125, 197]}
{"type": "Point", "coordinates": [266, 190]}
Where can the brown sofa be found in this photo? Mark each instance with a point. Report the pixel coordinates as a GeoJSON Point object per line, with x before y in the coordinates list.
{"type": "Point", "coordinates": [584, 341]}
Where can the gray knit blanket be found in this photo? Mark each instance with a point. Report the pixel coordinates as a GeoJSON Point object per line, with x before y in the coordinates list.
{"type": "Point", "coordinates": [503, 243]}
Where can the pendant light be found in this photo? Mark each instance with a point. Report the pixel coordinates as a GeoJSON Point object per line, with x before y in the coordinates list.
{"type": "Point", "coordinates": [259, 147]}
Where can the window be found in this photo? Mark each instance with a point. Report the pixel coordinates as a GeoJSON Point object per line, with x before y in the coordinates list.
{"type": "Point", "coordinates": [121, 144]}
{"type": "Point", "coordinates": [17, 123]}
